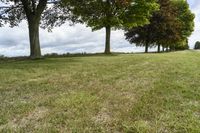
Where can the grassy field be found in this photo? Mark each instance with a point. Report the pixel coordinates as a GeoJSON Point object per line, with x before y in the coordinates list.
{"type": "Point", "coordinates": [130, 93]}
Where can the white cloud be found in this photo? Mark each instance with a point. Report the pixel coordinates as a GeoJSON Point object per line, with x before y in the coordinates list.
{"type": "Point", "coordinates": [195, 7]}
{"type": "Point", "coordinates": [73, 39]}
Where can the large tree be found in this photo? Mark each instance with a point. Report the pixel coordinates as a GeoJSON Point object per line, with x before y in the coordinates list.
{"type": "Point", "coordinates": [112, 14]}
{"type": "Point", "coordinates": [186, 19]}
{"type": "Point", "coordinates": [14, 11]}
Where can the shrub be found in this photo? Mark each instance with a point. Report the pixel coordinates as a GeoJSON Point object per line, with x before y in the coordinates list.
{"type": "Point", "coordinates": [197, 45]}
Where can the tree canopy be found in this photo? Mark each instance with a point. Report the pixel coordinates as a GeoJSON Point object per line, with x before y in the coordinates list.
{"type": "Point", "coordinates": [112, 14]}
{"type": "Point", "coordinates": [169, 26]}
{"type": "Point", "coordinates": [185, 17]}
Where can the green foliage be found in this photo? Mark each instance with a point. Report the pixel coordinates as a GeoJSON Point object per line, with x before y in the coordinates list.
{"type": "Point", "coordinates": [98, 14]}
{"type": "Point", "coordinates": [185, 17]}
{"type": "Point", "coordinates": [197, 45]}
{"type": "Point", "coordinates": [162, 29]}
{"type": "Point", "coordinates": [18, 10]}
{"type": "Point", "coordinates": [183, 45]}
{"type": "Point", "coordinates": [169, 27]}
{"type": "Point", "coordinates": [140, 35]}
{"type": "Point", "coordinates": [111, 14]}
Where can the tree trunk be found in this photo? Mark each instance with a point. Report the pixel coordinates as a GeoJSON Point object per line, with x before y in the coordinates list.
{"type": "Point", "coordinates": [167, 49]}
{"type": "Point", "coordinates": [33, 13]}
{"type": "Point", "coordinates": [108, 33]}
{"type": "Point", "coordinates": [146, 47]}
{"type": "Point", "coordinates": [35, 51]}
{"type": "Point", "coordinates": [163, 49]}
{"type": "Point", "coordinates": [158, 48]}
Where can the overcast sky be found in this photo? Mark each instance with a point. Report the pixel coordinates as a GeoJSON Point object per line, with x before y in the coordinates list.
{"type": "Point", "coordinates": [76, 39]}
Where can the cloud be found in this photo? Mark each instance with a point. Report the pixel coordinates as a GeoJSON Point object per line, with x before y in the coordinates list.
{"type": "Point", "coordinates": [73, 39]}
{"type": "Point", "coordinates": [195, 7]}
{"type": "Point", "coordinates": [194, 3]}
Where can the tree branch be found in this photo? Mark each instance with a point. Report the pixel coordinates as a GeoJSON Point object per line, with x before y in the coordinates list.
{"type": "Point", "coordinates": [41, 6]}
{"type": "Point", "coordinates": [26, 5]}
{"type": "Point", "coordinates": [8, 9]}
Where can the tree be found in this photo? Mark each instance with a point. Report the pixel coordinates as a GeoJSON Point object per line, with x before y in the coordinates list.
{"type": "Point", "coordinates": [112, 14]}
{"type": "Point", "coordinates": [15, 11]}
{"type": "Point", "coordinates": [186, 24]}
{"type": "Point", "coordinates": [197, 45]}
{"type": "Point", "coordinates": [161, 30]}
{"type": "Point", "coordinates": [141, 36]}
{"type": "Point", "coordinates": [185, 17]}
{"type": "Point", "coordinates": [169, 27]}
{"type": "Point", "coordinates": [182, 45]}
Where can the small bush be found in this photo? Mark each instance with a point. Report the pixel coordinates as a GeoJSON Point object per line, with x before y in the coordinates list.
{"type": "Point", "coordinates": [197, 45]}
{"type": "Point", "coordinates": [2, 56]}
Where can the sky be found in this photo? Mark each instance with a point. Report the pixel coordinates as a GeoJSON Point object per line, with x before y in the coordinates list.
{"type": "Point", "coordinates": [76, 39]}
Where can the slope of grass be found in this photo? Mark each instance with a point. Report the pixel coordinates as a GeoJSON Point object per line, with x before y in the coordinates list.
{"type": "Point", "coordinates": [144, 93]}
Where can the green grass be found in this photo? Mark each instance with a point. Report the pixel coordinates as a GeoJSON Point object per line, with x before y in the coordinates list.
{"type": "Point", "coordinates": [125, 93]}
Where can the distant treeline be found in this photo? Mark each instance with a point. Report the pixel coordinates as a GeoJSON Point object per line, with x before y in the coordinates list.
{"type": "Point", "coordinates": [165, 24]}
